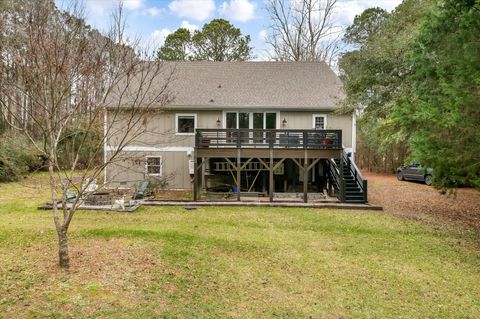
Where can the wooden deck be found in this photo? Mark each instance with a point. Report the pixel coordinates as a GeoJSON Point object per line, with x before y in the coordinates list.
{"type": "Point", "coordinates": [269, 147]}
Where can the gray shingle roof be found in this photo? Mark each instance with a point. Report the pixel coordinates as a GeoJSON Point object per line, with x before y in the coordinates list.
{"type": "Point", "coordinates": [306, 85]}
{"type": "Point", "coordinates": [266, 85]}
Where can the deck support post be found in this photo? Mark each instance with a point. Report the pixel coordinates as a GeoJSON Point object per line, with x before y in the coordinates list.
{"type": "Point", "coordinates": [270, 180]}
{"type": "Point", "coordinates": [203, 173]}
{"type": "Point", "coordinates": [239, 168]}
{"type": "Point", "coordinates": [329, 187]}
{"type": "Point", "coordinates": [365, 193]}
{"type": "Point", "coordinates": [305, 177]}
{"type": "Point", "coordinates": [195, 177]}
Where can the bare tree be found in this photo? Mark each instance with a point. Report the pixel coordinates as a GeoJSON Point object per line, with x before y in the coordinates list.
{"type": "Point", "coordinates": [303, 30]}
{"type": "Point", "coordinates": [66, 78]}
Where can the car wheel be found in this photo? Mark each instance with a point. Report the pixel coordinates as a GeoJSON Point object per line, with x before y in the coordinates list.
{"type": "Point", "coordinates": [400, 176]}
{"type": "Point", "coordinates": [428, 180]}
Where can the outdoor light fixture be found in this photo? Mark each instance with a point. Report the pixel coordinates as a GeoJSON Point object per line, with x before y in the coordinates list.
{"type": "Point", "coordinates": [218, 122]}
{"type": "Point", "coordinates": [284, 122]}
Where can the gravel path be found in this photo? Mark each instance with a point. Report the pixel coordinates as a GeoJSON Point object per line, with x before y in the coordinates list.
{"type": "Point", "coordinates": [415, 200]}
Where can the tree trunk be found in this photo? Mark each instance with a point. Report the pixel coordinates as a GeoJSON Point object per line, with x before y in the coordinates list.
{"type": "Point", "coordinates": [63, 258]}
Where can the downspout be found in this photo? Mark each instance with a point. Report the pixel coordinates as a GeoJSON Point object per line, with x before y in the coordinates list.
{"type": "Point", "coordinates": [354, 135]}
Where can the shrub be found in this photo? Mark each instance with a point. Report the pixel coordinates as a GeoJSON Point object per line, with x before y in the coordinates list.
{"type": "Point", "coordinates": [18, 157]}
{"type": "Point", "coordinates": [158, 183]}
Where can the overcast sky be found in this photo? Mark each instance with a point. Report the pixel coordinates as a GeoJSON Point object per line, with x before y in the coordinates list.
{"type": "Point", "coordinates": [153, 20]}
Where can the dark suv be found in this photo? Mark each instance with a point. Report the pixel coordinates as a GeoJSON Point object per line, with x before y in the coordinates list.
{"type": "Point", "coordinates": [415, 172]}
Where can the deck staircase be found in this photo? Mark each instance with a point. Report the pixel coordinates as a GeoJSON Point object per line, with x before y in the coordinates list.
{"type": "Point", "coordinates": [347, 181]}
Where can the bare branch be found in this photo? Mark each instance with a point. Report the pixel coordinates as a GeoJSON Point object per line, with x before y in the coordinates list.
{"type": "Point", "coordinates": [303, 30]}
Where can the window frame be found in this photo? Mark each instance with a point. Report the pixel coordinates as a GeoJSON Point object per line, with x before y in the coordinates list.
{"type": "Point", "coordinates": [146, 165]}
{"type": "Point", "coordinates": [314, 116]}
{"type": "Point", "coordinates": [250, 125]}
{"type": "Point", "coordinates": [178, 115]}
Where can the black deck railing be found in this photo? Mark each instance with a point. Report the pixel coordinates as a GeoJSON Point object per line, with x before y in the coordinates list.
{"type": "Point", "coordinates": [269, 138]}
{"type": "Point", "coordinates": [357, 175]}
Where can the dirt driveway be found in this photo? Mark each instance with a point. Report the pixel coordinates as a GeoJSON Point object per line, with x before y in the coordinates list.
{"type": "Point", "coordinates": [416, 200]}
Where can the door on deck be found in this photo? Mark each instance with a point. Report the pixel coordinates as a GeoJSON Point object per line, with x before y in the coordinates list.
{"type": "Point", "coordinates": [261, 121]}
{"type": "Point", "coordinates": [258, 119]}
{"type": "Point", "coordinates": [250, 120]}
{"type": "Point", "coordinates": [231, 122]}
{"type": "Point", "coordinates": [244, 123]}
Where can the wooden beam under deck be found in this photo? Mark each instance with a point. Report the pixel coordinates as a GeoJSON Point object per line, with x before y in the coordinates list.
{"type": "Point", "coordinates": [267, 153]}
{"type": "Point", "coordinates": [270, 146]}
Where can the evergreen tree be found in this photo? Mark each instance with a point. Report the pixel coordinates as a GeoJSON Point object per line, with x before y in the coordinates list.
{"type": "Point", "coordinates": [177, 46]}
{"type": "Point", "coordinates": [374, 77]}
{"type": "Point", "coordinates": [218, 40]}
{"type": "Point", "coordinates": [441, 108]}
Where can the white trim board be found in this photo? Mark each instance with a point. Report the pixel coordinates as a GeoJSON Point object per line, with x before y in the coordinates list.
{"type": "Point", "coordinates": [134, 148]}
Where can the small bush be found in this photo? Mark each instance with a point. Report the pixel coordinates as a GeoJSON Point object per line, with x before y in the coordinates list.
{"type": "Point", "coordinates": [18, 157]}
{"type": "Point", "coordinates": [158, 183]}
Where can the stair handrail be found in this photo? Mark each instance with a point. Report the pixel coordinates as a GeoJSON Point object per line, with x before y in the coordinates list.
{"type": "Point", "coordinates": [334, 172]}
{"type": "Point", "coordinates": [359, 179]}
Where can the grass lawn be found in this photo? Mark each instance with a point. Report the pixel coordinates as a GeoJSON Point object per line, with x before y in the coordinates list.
{"type": "Point", "coordinates": [232, 262]}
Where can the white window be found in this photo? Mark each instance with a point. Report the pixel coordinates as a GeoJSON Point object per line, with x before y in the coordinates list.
{"type": "Point", "coordinates": [319, 121]}
{"type": "Point", "coordinates": [153, 166]}
{"type": "Point", "coordinates": [185, 124]}
{"type": "Point", "coordinates": [251, 120]}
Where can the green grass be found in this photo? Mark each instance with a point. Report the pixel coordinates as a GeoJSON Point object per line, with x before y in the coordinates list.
{"type": "Point", "coordinates": [221, 262]}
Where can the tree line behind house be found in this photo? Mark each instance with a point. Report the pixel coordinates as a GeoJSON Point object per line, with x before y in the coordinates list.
{"type": "Point", "coordinates": [27, 61]}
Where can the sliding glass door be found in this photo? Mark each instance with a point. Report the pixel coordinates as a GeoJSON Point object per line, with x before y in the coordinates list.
{"type": "Point", "coordinates": [231, 120]}
{"type": "Point", "coordinates": [270, 120]}
{"type": "Point", "coordinates": [258, 123]}
{"type": "Point", "coordinates": [244, 123]}
{"type": "Point", "coordinates": [251, 120]}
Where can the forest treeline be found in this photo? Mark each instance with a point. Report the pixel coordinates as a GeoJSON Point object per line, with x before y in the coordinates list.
{"type": "Point", "coordinates": [24, 46]}
{"type": "Point", "coordinates": [413, 77]}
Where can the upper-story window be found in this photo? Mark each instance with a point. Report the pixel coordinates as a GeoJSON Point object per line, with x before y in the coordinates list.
{"type": "Point", "coordinates": [185, 124]}
{"type": "Point", "coordinates": [319, 121]}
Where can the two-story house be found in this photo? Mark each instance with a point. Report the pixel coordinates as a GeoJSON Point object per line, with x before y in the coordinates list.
{"type": "Point", "coordinates": [248, 127]}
